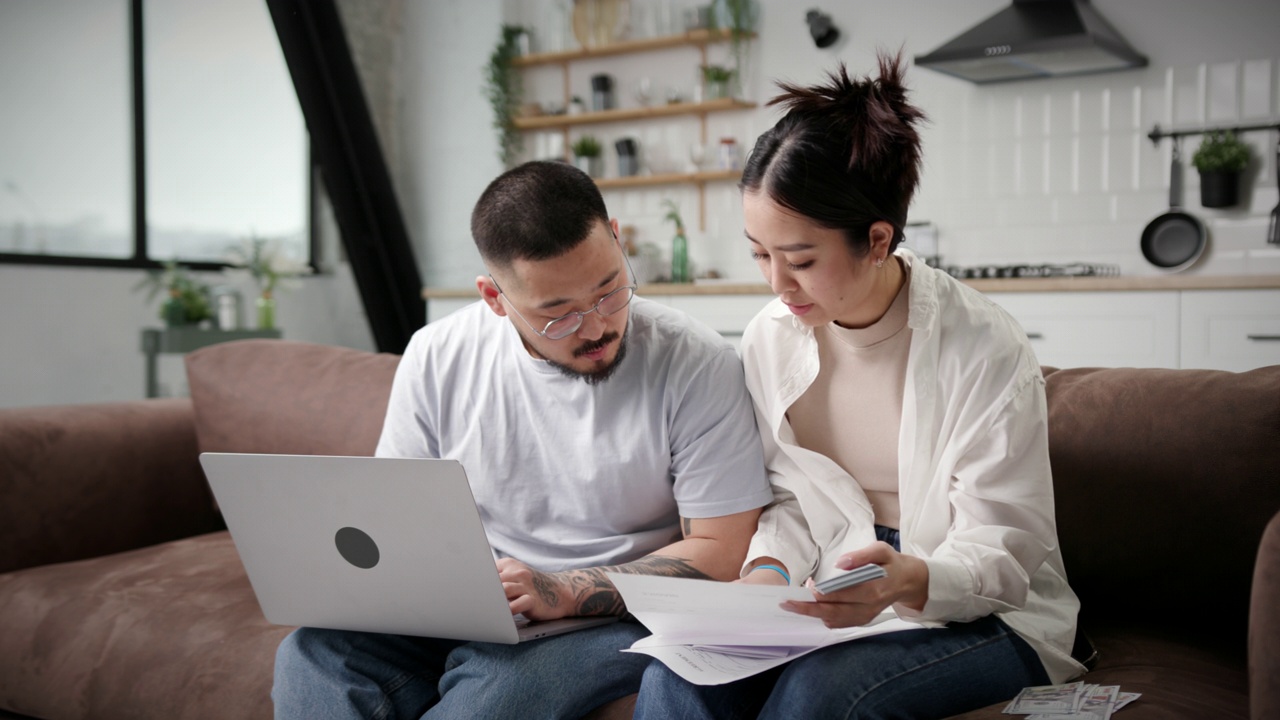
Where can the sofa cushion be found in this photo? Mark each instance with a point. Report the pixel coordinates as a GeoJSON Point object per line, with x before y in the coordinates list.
{"type": "Point", "coordinates": [279, 396]}
{"type": "Point", "coordinates": [1177, 681]}
{"type": "Point", "coordinates": [169, 631]}
{"type": "Point", "coordinates": [1164, 481]}
{"type": "Point", "coordinates": [1264, 627]}
{"type": "Point", "coordinates": [78, 481]}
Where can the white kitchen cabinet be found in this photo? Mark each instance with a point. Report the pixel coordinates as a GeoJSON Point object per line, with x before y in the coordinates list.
{"type": "Point", "coordinates": [1230, 329]}
{"type": "Point", "coordinates": [1098, 329]}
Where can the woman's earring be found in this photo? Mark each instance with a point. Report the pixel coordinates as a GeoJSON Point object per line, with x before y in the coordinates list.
{"type": "Point", "coordinates": [880, 263]}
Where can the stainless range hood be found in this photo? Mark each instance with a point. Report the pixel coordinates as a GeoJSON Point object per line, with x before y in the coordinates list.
{"type": "Point", "coordinates": [1034, 39]}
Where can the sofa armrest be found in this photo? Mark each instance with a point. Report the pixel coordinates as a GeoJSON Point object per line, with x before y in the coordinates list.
{"type": "Point", "coordinates": [81, 481]}
{"type": "Point", "coordinates": [1264, 627]}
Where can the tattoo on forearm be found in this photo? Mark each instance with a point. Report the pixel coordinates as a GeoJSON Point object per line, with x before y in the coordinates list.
{"type": "Point", "coordinates": [545, 586]}
{"type": "Point", "coordinates": [686, 525]}
{"type": "Point", "coordinates": [593, 594]}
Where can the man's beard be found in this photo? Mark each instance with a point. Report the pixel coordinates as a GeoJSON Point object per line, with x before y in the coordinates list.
{"type": "Point", "coordinates": [595, 377]}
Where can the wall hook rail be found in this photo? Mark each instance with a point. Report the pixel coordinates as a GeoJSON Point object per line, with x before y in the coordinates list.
{"type": "Point", "coordinates": [1156, 134]}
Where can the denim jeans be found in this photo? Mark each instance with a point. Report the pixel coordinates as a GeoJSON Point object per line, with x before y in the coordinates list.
{"type": "Point", "coordinates": [912, 674]}
{"type": "Point", "coordinates": [337, 674]}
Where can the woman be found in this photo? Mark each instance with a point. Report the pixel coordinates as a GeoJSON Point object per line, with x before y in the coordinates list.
{"type": "Point", "coordinates": [904, 424]}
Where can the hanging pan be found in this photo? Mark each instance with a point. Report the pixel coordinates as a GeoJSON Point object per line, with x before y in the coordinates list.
{"type": "Point", "coordinates": [1174, 240]}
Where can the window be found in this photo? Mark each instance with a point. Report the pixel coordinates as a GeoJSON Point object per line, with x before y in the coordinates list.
{"type": "Point", "coordinates": [66, 178]}
{"type": "Point", "coordinates": [217, 146]}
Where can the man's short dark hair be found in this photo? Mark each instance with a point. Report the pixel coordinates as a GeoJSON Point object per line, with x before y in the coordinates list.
{"type": "Point", "coordinates": [535, 211]}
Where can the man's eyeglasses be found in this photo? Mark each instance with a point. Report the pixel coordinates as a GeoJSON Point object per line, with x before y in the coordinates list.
{"type": "Point", "coordinates": [566, 325]}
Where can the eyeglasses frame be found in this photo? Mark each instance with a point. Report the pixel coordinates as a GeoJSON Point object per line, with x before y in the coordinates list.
{"type": "Point", "coordinates": [594, 308]}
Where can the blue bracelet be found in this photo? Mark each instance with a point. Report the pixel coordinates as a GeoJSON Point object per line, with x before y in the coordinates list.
{"type": "Point", "coordinates": [775, 568]}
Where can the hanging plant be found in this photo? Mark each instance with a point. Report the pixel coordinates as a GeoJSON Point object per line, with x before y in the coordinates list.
{"type": "Point", "coordinates": [1221, 151]}
{"type": "Point", "coordinates": [1221, 158]}
{"type": "Point", "coordinates": [504, 89]}
{"type": "Point", "coordinates": [739, 18]}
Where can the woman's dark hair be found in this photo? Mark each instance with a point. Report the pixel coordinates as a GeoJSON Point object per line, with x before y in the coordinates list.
{"type": "Point", "coordinates": [845, 155]}
{"type": "Point", "coordinates": [535, 211]}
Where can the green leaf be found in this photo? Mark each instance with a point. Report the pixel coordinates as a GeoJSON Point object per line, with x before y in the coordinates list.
{"type": "Point", "coordinates": [1221, 151]}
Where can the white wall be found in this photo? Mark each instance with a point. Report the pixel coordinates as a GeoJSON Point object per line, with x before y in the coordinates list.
{"type": "Point", "coordinates": [72, 335]}
{"type": "Point", "coordinates": [1052, 170]}
{"type": "Point", "coordinates": [450, 153]}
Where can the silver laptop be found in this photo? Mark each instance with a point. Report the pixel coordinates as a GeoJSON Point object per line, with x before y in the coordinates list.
{"type": "Point", "coordinates": [388, 545]}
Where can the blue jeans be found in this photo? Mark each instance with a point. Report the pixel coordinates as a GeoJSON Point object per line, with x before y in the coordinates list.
{"type": "Point", "coordinates": [912, 674]}
{"type": "Point", "coordinates": [337, 674]}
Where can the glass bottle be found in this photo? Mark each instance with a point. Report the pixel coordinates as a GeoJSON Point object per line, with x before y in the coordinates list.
{"type": "Point", "coordinates": [266, 311]}
{"type": "Point", "coordinates": [679, 258]}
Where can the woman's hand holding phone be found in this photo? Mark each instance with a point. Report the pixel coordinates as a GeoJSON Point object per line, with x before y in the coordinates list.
{"type": "Point", "coordinates": [905, 580]}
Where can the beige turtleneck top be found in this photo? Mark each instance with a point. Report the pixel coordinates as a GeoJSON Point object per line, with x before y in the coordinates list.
{"type": "Point", "coordinates": [852, 411]}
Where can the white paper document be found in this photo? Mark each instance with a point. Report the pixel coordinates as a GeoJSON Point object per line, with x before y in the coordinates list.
{"type": "Point", "coordinates": [711, 633]}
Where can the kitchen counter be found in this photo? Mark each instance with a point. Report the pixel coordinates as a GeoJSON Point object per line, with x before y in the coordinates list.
{"type": "Point", "coordinates": [1091, 284]}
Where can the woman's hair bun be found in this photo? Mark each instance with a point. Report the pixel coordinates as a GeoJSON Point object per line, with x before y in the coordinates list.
{"type": "Point", "coordinates": [872, 114]}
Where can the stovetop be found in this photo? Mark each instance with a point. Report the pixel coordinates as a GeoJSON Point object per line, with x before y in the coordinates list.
{"type": "Point", "coordinates": [970, 272]}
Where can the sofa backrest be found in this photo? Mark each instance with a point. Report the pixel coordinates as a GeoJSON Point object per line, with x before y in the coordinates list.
{"type": "Point", "coordinates": [1164, 481]}
{"type": "Point", "coordinates": [293, 398]}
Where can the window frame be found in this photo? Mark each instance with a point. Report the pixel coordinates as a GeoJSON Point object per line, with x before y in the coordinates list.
{"type": "Point", "coordinates": [140, 259]}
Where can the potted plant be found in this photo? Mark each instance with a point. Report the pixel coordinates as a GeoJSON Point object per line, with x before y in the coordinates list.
{"type": "Point", "coordinates": [269, 269]}
{"type": "Point", "coordinates": [586, 155]}
{"type": "Point", "coordinates": [504, 89]}
{"type": "Point", "coordinates": [739, 18]}
{"type": "Point", "coordinates": [716, 79]}
{"type": "Point", "coordinates": [1221, 157]}
{"type": "Point", "coordinates": [188, 299]}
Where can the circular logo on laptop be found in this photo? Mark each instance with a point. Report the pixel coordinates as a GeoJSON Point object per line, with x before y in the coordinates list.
{"type": "Point", "coordinates": [356, 547]}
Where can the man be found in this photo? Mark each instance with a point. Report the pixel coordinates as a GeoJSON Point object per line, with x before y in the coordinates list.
{"type": "Point", "coordinates": [599, 432]}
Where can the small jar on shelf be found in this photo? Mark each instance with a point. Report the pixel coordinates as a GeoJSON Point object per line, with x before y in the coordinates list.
{"type": "Point", "coordinates": [728, 157]}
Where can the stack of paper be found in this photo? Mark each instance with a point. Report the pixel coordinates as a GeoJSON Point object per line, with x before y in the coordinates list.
{"type": "Point", "coordinates": [1073, 701]}
{"type": "Point", "coordinates": [711, 633]}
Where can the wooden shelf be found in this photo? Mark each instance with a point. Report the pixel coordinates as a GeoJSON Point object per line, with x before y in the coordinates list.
{"type": "Point", "coordinates": [693, 38]}
{"type": "Point", "coordinates": [560, 122]}
{"type": "Point", "coordinates": [697, 39]}
{"type": "Point", "coordinates": [667, 179]}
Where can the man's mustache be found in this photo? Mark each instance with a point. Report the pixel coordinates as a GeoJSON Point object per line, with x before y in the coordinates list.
{"type": "Point", "coordinates": [595, 345]}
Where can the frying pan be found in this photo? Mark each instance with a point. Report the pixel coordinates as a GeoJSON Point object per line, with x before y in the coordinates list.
{"type": "Point", "coordinates": [1174, 241]}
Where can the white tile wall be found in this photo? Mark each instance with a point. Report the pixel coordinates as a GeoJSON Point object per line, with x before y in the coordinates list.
{"type": "Point", "coordinates": [1070, 174]}
{"type": "Point", "coordinates": [1256, 86]}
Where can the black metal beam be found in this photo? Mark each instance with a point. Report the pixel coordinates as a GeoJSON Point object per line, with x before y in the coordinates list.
{"type": "Point", "coordinates": [345, 146]}
{"type": "Point", "coordinates": [139, 110]}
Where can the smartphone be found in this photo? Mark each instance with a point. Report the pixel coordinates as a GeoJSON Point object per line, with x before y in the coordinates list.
{"type": "Point", "coordinates": [853, 577]}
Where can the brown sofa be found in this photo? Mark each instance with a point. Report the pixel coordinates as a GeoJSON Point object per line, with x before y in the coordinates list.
{"type": "Point", "coordinates": [121, 596]}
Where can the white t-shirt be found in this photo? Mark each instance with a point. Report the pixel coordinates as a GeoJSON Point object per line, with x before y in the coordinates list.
{"type": "Point", "coordinates": [571, 475]}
